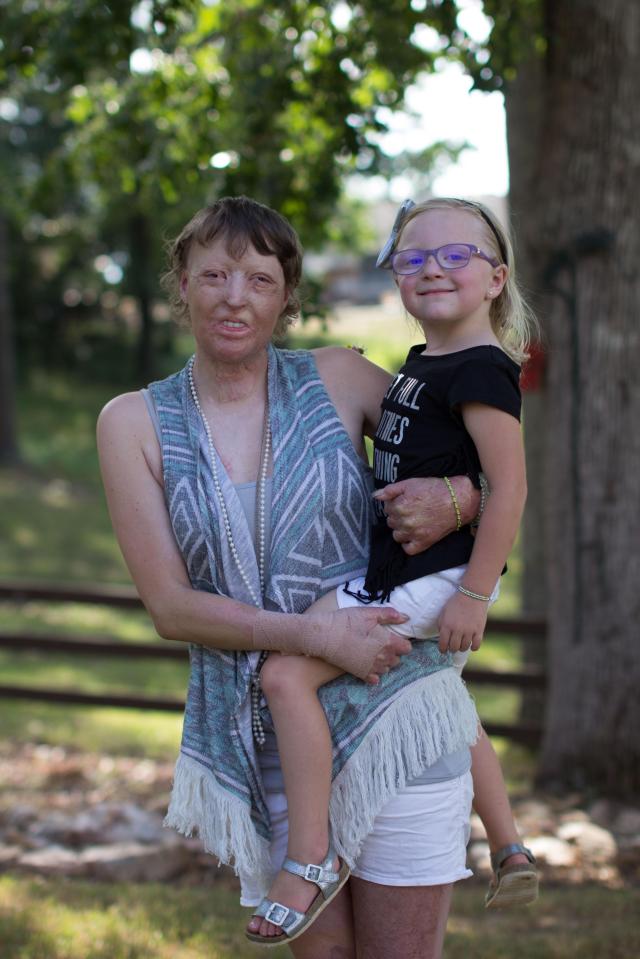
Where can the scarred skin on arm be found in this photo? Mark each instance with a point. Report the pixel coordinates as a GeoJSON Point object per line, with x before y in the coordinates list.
{"type": "Point", "coordinates": [420, 511]}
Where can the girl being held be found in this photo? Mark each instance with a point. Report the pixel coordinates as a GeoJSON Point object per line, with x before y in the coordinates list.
{"type": "Point", "coordinates": [454, 408]}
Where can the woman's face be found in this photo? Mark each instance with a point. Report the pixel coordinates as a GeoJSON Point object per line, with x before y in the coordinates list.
{"type": "Point", "coordinates": [234, 304]}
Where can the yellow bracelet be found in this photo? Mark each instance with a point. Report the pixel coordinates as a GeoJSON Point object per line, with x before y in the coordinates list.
{"type": "Point", "coordinates": [454, 500]}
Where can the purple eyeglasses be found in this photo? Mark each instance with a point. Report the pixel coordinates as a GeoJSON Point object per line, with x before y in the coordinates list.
{"type": "Point", "coordinates": [451, 256]}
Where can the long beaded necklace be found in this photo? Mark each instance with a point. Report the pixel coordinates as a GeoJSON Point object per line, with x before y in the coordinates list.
{"type": "Point", "coordinates": [256, 722]}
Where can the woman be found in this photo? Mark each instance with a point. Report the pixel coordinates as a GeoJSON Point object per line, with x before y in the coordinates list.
{"type": "Point", "coordinates": [247, 500]}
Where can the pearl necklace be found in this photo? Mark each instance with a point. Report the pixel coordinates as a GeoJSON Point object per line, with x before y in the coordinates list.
{"type": "Point", "coordinates": [256, 722]}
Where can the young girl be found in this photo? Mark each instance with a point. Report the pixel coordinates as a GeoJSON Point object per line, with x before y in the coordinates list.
{"type": "Point", "coordinates": [453, 408]}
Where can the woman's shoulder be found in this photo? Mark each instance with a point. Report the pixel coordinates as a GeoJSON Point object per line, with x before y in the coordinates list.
{"type": "Point", "coordinates": [356, 387]}
{"type": "Point", "coordinates": [302, 356]}
{"type": "Point", "coordinates": [137, 405]}
{"type": "Point", "coordinates": [123, 407]}
{"type": "Point", "coordinates": [125, 419]}
{"type": "Point", "coordinates": [332, 356]}
{"type": "Point", "coordinates": [332, 363]}
{"type": "Point", "coordinates": [126, 434]}
{"type": "Point", "coordinates": [346, 360]}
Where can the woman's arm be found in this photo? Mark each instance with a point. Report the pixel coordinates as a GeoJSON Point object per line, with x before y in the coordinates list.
{"type": "Point", "coordinates": [498, 439]}
{"type": "Point", "coordinates": [131, 467]}
{"type": "Point", "coordinates": [356, 387]}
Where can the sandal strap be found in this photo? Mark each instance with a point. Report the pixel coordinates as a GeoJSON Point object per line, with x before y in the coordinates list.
{"type": "Point", "coordinates": [498, 857]}
{"type": "Point", "coordinates": [321, 874]}
{"type": "Point", "coordinates": [286, 917]}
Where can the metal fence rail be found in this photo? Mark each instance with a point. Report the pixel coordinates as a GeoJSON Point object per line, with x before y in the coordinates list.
{"type": "Point", "coordinates": [127, 598]}
{"type": "Point", "coordinates": [96, 594]}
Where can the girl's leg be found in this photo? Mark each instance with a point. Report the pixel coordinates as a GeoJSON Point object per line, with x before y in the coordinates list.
{"type": "Point", "coordinates": [491, 801]}
{"type": "Point", "coordinates": [290, 685]}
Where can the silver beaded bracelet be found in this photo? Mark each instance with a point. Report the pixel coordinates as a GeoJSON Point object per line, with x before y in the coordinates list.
{"type": "Point", "coordinates": [484, 493]}
{"type": "Point", "coordinates": [469, 592]}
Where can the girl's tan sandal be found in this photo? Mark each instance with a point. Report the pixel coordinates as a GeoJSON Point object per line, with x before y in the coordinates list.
{"type": "Point", "coordinates": [515, 884]}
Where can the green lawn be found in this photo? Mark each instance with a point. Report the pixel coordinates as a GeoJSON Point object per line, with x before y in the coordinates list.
{"type": "Point", "coordinates": [46, 919]}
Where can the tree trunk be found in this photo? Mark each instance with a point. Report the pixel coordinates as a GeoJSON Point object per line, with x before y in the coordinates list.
{"type": "Point", "coordinates": [588, 194]}
{"type": "Point", "coordinates": [8, 433]}
{"type": "Point", "coordinates": [524, 99]}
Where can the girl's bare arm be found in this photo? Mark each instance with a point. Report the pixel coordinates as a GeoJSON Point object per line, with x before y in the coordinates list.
{"type": "Point", "coordinates": [498, 439]}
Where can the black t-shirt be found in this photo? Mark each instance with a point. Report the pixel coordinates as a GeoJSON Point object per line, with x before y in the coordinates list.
{"type": "Point", "coordinates": [421, 433]}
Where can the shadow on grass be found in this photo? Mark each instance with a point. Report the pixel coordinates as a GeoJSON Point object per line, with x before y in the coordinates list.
{"type": "Point", "coordinates": [40, 919]}
{"type": "Point", "coordinates": [43, 919]}
{"type": "Point", "coordinates": [23, 935]}
{"type": "Point", "coordinates": [581, 922]}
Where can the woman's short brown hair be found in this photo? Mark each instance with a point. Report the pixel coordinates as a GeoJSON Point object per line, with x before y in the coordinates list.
{"type": "Point", "coordinates": [241, 222]}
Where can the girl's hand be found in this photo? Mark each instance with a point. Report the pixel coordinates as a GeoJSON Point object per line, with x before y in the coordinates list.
{"type": "Point", "coordinates": [461, 624]}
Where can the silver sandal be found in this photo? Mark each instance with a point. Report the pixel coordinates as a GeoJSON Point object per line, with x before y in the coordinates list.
{"type": "Point", "coordinates": [515, 884]}
{"type": "Point", "coordinates": [292, 922]}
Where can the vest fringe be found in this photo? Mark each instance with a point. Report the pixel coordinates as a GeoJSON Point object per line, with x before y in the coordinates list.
{"type": "Point", "coordinates": [431, 718]}
{"type": "Point", "coordinates": [222, 821]}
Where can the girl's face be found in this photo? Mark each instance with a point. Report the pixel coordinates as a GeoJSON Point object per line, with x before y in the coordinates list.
{"type": "Point", "coordinates": [444, 299]}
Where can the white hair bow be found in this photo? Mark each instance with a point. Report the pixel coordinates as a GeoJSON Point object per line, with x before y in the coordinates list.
{"type": "Point", "coordinates": [384, 257]}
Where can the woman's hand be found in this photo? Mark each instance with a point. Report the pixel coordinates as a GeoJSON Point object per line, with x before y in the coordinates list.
{"type": "Point", "coordinates": [367, 627]}
{"type": "Point", "coordinates": [420, 511]}
{"type": "Point", "coordinates": [461, 624]}
{"type": "Point", "coordinates": [355, 639]}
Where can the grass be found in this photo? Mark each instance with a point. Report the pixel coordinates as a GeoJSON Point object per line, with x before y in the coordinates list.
{"type": "Point", "coordinates": [72, 919]}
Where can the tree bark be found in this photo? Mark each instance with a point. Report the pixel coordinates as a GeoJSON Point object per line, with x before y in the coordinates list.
{"type": "Point", "coordinates": [588, 194]}
{"type": "Point", "coordinates": [9, 454]}
{"type": "Point", "coordinates": [524, 99]}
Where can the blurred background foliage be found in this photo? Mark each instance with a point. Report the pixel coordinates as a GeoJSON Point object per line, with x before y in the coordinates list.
{"type": "Point", "coordinates": [118, 120]}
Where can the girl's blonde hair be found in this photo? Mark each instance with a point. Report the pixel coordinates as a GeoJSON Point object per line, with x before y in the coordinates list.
{"type": "Point", "coordinates": [512, 319]}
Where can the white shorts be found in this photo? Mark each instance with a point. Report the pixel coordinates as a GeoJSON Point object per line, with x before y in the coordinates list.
{"type": "Point", "coordinates": [422, 600]}
{"type": "Point", "coordinates": [419, 838]}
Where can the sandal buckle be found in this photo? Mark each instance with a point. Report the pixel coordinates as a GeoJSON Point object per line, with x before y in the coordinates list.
{"type": "Point", "coordinates": [276, 913]}
{"type": "Point", "coordinates": [313, 873]}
